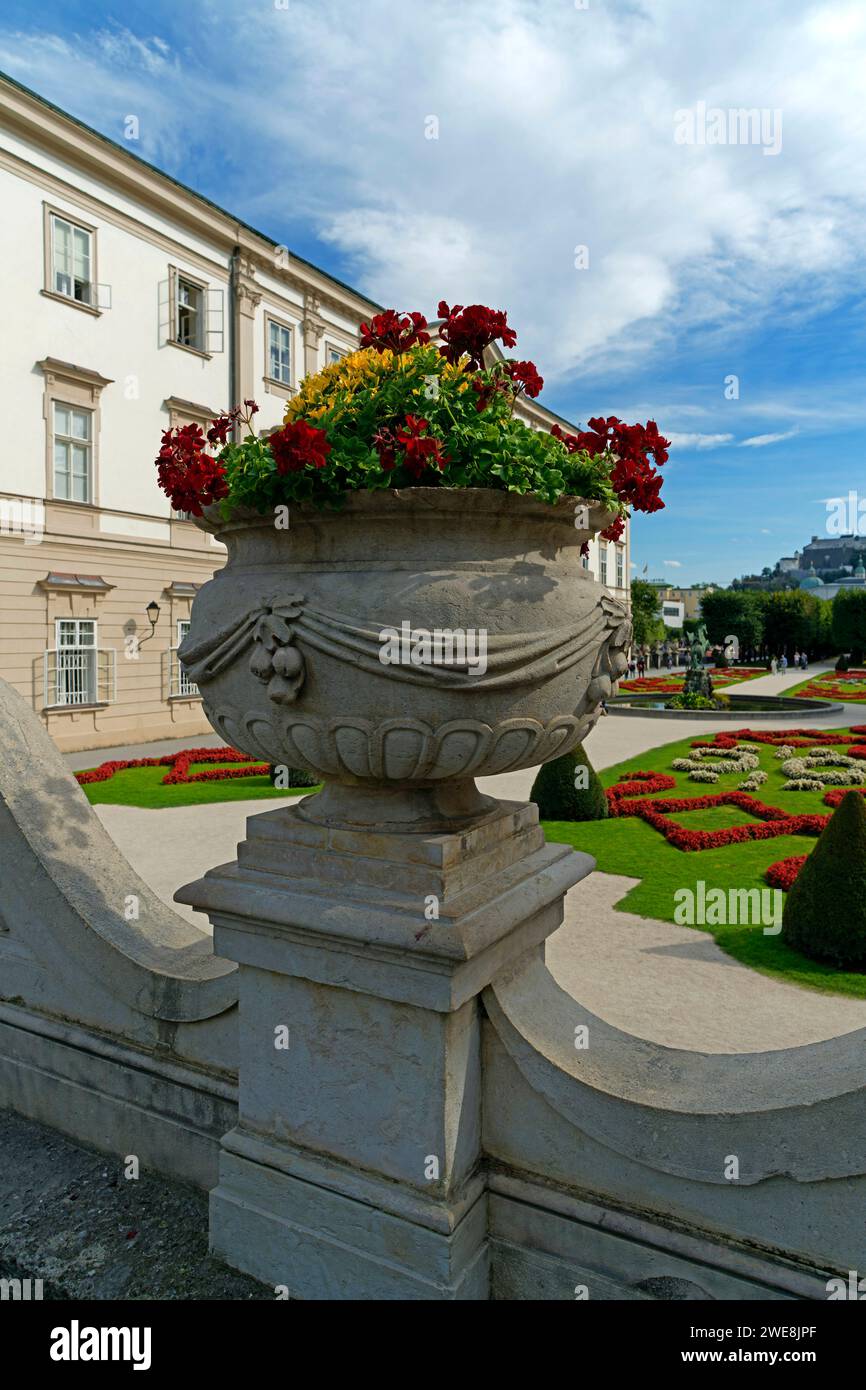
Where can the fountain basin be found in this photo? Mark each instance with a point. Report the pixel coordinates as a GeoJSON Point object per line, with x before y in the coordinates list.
{"type": "Point", "coordinates": [755, 706]}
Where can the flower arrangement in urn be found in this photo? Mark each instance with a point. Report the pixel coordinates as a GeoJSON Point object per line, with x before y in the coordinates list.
{"type": "Point", "coordinates": [402, 412]}
{"type": "Point", "coordinates": [416, 501]}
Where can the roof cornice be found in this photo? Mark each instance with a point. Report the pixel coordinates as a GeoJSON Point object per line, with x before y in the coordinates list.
{"type": "Point", "coordinates": [31, 116]}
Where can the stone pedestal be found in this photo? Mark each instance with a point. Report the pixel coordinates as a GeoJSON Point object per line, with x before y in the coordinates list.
{"type": "Point", "coordinates": [355, 1170]}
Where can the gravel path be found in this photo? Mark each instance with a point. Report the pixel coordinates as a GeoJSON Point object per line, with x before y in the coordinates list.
{"type": "Point", "coordinates": [69, 1217]}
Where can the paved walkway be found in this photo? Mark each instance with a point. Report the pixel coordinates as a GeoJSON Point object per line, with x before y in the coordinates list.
{"type": "Point", "coordinates": [670, 984]}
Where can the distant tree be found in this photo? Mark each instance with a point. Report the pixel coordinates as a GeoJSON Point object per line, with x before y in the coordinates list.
{"type": "Point", "coordinates": [849, 623]}
{"type": "Point", "coordinates": [646, 622]}
{"type": "Point", "coordinates": [795, 619]}
{"type": "Point", "coordinates": [737, 612]}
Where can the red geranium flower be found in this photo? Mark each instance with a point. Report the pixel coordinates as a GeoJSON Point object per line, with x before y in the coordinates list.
{"type": "Point", "coordinates": [525, 376]}
{"type": "Point", "coordinates": [469, 331]}
{"type": "Point", "coordinates": [190, 478]}
{"type": "Point", "coordinates": [394, 331]}
{"type": "Point", "coordinates": [420, 451]}
{"type": "Point", "coordinates": [299, 445]}
{"type": "Point", "coordinates": [614, 531]}
{"type": "Point", "coordinates": [634, 479]}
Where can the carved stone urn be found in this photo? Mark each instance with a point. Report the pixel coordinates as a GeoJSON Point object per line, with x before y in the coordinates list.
{"type": "Point", "coordinates": [405, 645]}
{"type": "Point", "coordinates": [397, 649]}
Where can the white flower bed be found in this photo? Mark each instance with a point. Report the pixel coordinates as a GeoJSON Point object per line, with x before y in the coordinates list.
{"type": "Point", "coordinates": [752, 782]}
{"type": "Point", "coordinates": [816, 770]}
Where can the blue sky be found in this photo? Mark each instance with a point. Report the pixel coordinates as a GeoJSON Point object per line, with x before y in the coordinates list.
{"type": "Point", "coordinates": [559, 125]}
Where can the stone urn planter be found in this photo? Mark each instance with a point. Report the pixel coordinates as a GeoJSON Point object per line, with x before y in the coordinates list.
{"type": "Point", "coordinates": [405, 645]}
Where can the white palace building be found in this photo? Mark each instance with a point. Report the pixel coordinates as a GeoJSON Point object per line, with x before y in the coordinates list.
{"type": "Point", "coordinates": [132, 303]}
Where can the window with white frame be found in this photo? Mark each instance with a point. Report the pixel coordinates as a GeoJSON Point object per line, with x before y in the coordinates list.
{"type": "Point", "coordinates": [181, 685]}
{"type": "Point", "coordinates": [602, 562]}
{"type": "Point", "coordinates": [279, 352]}
{"type": "Point", "coordinates": [584, 560]}
{"type": "Point", "coordinates": [72, 261]}
{"type": "Point", "coordinates": [72, 442]}
{"type": "Point", "coordinates": [334, 354]}
{"type": "Point", "coordinates": [189, 329]}
{"type": "Point", "coordinates": [75, 668]}
{"type": "Point", "coordinates": [620, 567]}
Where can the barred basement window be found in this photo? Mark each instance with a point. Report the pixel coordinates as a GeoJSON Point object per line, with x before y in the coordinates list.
{"type": "Point", "coordinates": [77, 671]}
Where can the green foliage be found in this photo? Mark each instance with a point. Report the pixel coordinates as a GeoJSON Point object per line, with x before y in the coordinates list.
{"type": "Point", "coordinates": [825, 911]}
{"type": "Point", "coordinates": [368, 392]}
{"type": "Point", "coordinates": [556, 796]}
{"type": "Point", "coordinates": [793, 619]}
{"type": "Point", "coordinates": [849, 623]}
{"type": "Point", "coordinates": [647, 625]}
{"type": "Point", "coordinates": [734, 611]}
{"type": "Point", "coordinates": [693, 701]}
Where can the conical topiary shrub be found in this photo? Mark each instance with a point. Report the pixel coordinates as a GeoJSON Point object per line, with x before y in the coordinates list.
{"type": "Point", "coordinates": [825, 912]}
{"type": "Point", "coordinates": [292, 776]}
{"type": "Point", "coordinates": [560, 794]}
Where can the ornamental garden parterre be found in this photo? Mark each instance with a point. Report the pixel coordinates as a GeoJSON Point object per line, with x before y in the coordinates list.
{"type": "Point", "coordinates": [742, 809]}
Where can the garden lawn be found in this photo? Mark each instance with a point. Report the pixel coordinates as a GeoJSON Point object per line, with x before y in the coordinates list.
{"type": "Point", "coordinates": [627, 845]}
{"type": "Point", "coordinates": [142, 786]}
{"type": "Point", "coordinates": [840, 686]}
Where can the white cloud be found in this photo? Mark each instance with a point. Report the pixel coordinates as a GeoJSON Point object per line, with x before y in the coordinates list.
{"type": "Point", "coordinates": [760, 441]}
{"type": "Point", "coordinates": [698, 441]}
{"type": "Point", "coordinates": [319, 126]}
{"type": "Point", "coordinates": [674, 564]}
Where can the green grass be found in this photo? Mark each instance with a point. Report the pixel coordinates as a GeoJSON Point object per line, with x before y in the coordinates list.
{"type": "Point", "coordinates": [627, 845]}
{"type": "Point", "coordinates": [142, 786]}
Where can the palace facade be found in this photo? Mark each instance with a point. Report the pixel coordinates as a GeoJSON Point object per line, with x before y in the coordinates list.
{"type": "Point", "coordinates": [132, 303]}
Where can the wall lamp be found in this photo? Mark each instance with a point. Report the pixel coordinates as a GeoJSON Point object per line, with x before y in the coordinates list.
{"type": "Point", "coordinates": [152, 611]}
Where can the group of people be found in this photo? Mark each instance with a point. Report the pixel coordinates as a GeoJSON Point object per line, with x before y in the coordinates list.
{"type": "Point", "coordinates": [641, 659]}
{"type": "Point", "coordinates": [666, 660]}
{"type": "Point", "coordinates": [799, 661]}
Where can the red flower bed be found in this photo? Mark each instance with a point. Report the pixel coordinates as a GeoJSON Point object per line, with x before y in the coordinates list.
{"type": "Point", "coordinates": [180, 763]}
{"type": "Point", "coordinates": [832, 687]}
{"type": "Point", "coordinates": [673, 685]}
{"type": "Point", "coordinates": [833, 797]}
{"type": "Point", "coordinates": [770, 820]}
{"type": "Point", "coordinates": [646, 782]}
{"type": "Point", "coordinates": [791, 738]}
{"type": "Point", "coordinates": [783, 874]}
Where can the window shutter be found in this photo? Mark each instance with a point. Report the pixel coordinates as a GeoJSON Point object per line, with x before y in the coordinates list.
{"type": "Point", "coordinates": [50, 677]}
{"type": "Point", "coordinates": [103, 296]}
{"type": "Point", "coordinates": [106, 678]}
{"type": "Point", "coordinates": [168, 308]}
{"type": "Point", "coordinates": [215, 335]}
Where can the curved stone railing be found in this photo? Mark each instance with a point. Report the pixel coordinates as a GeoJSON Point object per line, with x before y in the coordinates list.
{"type": "Point", "coordinates": [118, 1023]}
{"type": "Point", "coordinates": [795, 1112]}
{"type": "Point", "coordinates": [622, 1160]}
{"type": "Point", "coordinates": [74, 900]}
